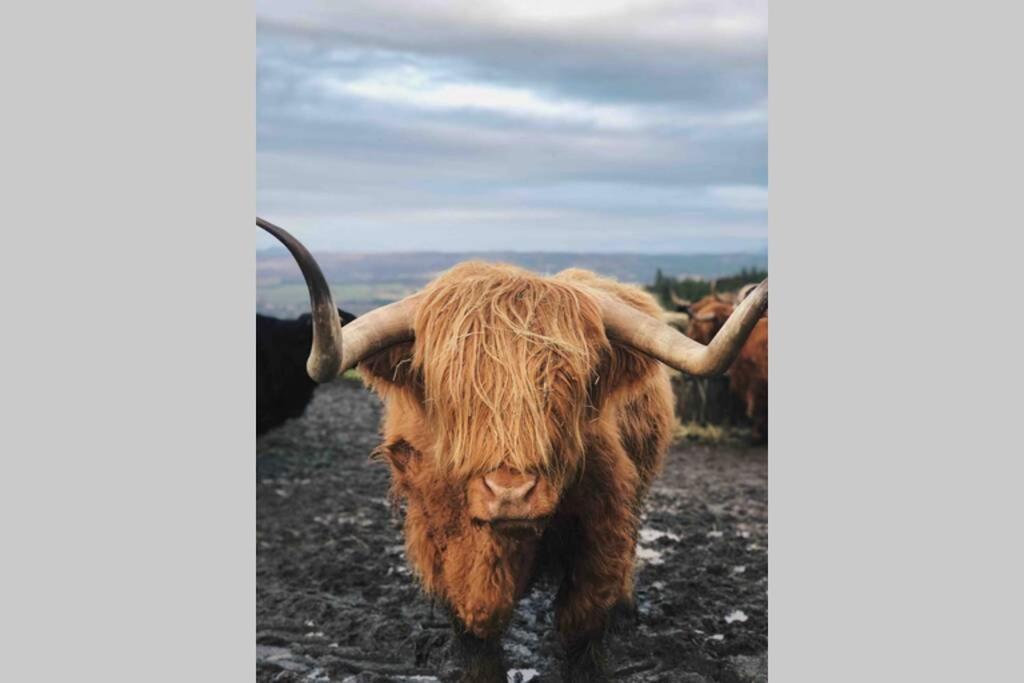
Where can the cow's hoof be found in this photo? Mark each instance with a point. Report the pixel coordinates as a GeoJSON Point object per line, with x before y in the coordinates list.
{"type": "Point", "coordinates": [473, 660]}
{"type": "Point", "coordinates": [586, 660]}
{"type": "Point", "coordinates": [474, 672]}
{"type": "Point", "coordinates": [586, 674]}
{"type": "Point", "coordinates": [623, 617]}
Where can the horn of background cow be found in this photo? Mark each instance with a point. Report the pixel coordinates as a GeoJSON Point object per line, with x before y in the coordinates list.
{"type": "Point", "coordinates": [651, 336]}
{"type": "Point", "coordinates": [677, 300]}
{"type": "Point", "coordinates": [325, 356]}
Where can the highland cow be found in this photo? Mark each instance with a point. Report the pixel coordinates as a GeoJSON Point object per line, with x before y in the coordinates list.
{"type": "Point", "coordinates": [748, 375]}
{"type": "Point", "coordinates": [525, 418]}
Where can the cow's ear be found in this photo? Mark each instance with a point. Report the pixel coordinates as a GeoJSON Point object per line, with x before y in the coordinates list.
{"type": "Point", "coordinates": [392, 368]}
{"type": "Point", "coordinates": [345, 317]}
{"type": "Point", "coordinates": [620, 368]}
{"type": "Point", "coordinates": [398, 453]}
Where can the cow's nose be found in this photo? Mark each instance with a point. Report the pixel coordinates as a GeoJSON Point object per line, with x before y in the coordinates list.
{"type": "Point", "coordinates": [510, 487]}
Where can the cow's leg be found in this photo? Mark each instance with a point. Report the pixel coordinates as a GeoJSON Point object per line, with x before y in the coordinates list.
{"type": "Point", "coordinates": [599, 563]}
{"type": "Point", "coordinates": [586, 658]}
{"type": "Point", "coordinates": [757, 399]}
{"type": "Point", "coordinates": [583, 624]}
{"type": "Point", "coordinates": [624, 615]}
{"type": "Point", "coordinates": [645, 421]}
{"type": "Point", "coordinates": [474, 659]}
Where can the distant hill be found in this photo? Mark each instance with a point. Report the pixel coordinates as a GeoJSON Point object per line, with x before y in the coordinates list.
{"type": "Point", "coordinates": [363, 281]}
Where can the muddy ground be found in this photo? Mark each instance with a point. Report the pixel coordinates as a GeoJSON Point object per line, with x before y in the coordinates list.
{"type": "Point", "coordinates": [335, 600]}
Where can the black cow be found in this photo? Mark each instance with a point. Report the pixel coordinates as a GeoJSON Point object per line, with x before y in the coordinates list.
{"type": "Point", "coordinates": [283, 389]}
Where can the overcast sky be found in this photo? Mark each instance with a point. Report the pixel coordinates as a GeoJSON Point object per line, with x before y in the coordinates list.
{"type": "Point", "coordinates": [534, 125]}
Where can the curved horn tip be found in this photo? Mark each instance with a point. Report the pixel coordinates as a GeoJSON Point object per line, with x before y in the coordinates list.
{"type": "Point", "coordinates": [325, 355]}
{"type": "Point", "coordinates": [761, 291]}
{"type": "Point", "coordinates": [723, 349]}
{"type": "Point", "coordinates": [322, 370]}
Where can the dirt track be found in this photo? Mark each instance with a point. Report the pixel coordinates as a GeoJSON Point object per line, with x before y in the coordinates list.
{"type": "Point", "coordinates": [335, 600]}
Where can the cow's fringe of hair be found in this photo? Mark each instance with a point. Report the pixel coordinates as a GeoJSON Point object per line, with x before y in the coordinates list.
{"type": "Point", "coordinates": [507, 359]}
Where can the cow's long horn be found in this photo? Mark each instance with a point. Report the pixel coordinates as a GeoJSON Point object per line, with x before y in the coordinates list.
{"type": "Point", "coordinates": [653, 337]}
{"type": "Point", "coordinates": [367, 334]}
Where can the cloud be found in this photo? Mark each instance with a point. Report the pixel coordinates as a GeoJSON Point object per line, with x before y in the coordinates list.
{"type": "Point", "coordinates": [418, 88]}
{"type": "Point", "coordinates": [507, 124]}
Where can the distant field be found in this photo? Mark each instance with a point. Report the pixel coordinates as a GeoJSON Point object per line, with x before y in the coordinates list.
{"type": "Point", "coordinates": [361, 282]}
{"type": "Point", "coordinates": [291, 299]}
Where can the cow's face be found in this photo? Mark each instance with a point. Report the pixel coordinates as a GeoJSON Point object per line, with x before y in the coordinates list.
{"type": "Point", "coordinates": [707, 319]}
{"type": "Point", "coordinates": [495, 397]}
{"type": "Point", "coordinates": [498, 461]}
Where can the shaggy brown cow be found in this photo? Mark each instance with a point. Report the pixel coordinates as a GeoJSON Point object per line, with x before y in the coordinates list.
{"type": "Point", "coordinates": [525, 417]}
{"type": "Point", "coordinates": [748, 376]}
{"type": "Point", "coordinates": [707, 317]}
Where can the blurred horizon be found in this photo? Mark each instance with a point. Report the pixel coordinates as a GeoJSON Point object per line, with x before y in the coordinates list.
{"type": "Point", "coordinates": [268, 251]}
{"type": "Point", "coordinates": [361, 282]}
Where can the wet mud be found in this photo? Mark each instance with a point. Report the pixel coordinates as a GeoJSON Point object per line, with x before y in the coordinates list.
{"type": "Point", "coordinates": [335, 600]}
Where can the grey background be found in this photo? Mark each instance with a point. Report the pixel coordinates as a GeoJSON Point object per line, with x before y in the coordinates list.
{"type": "Point", "coordinates": [126, 501]}
{"type": "Point", "coordinates": [127, 496]}
{"type": "Point", "coordinates": [893, 476]}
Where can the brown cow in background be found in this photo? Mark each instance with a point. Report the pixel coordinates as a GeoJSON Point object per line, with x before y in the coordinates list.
{"type": "Point", "coordinates": [748, 379]}
{"type": "Point", "coordinates": [748, 376]}
{"type": "Point", "coordinates": [525, 418]}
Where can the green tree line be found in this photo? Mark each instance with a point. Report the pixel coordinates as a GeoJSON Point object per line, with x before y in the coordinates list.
{"type": "Point", "coordinates": [693, 288]}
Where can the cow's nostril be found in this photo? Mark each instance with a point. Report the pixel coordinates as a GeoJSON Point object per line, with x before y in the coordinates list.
{"type": "Point", "coordinates": [493, 488]}
{"type": "Point", "coordinates": [529, 485]}
{"type": "Point", "coordinates": [516, 490]}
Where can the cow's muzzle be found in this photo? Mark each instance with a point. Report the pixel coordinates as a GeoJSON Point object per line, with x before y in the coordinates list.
{"type": "Point", "coordinates": [511, 501]}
